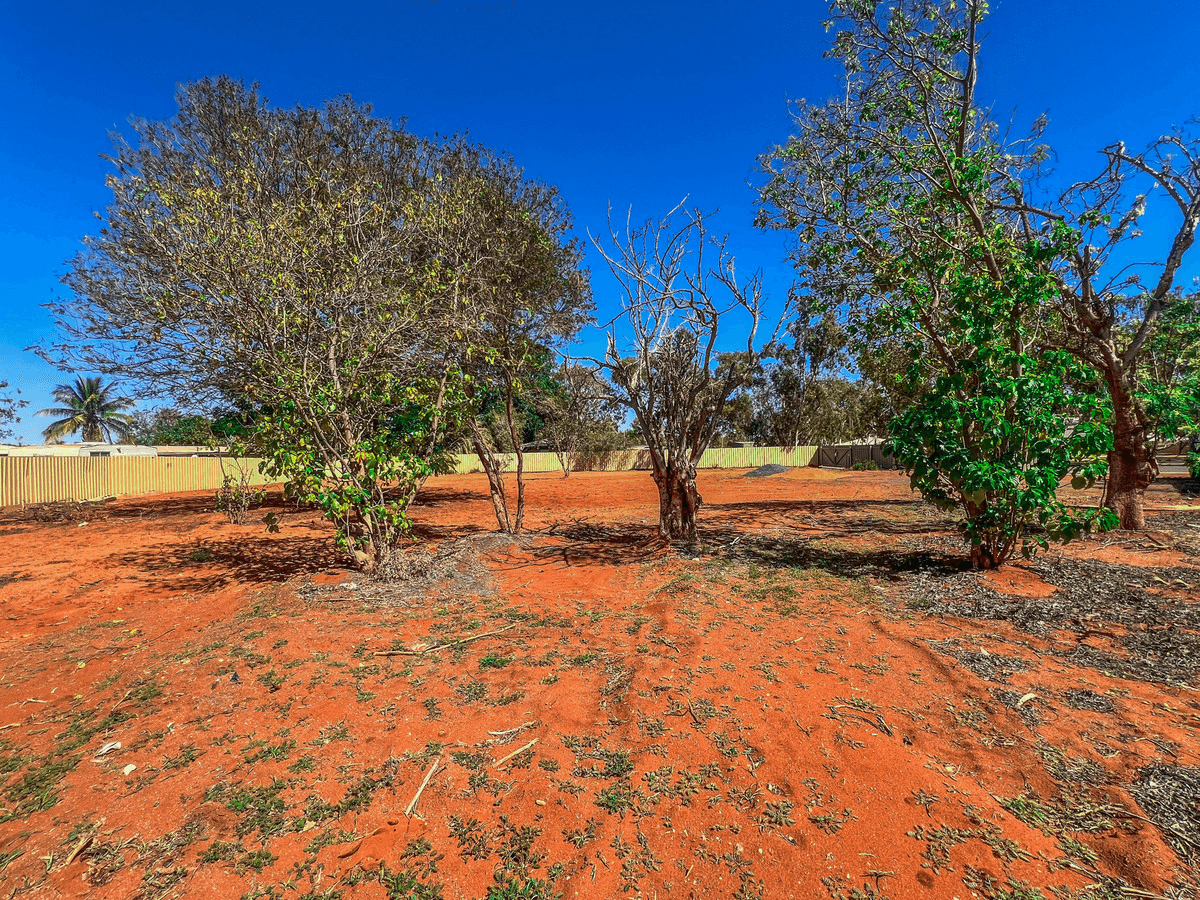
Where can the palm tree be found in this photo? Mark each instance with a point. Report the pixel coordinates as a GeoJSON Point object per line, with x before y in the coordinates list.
{"type": "Point", "coordinates": [89, 407]}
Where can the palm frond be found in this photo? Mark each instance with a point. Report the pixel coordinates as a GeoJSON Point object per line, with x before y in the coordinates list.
{"type": "Point", "coordinates": [57, 430]}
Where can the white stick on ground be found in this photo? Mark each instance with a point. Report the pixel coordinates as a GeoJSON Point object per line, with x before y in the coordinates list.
{"type": "Point", "coordinates": [412, 803]}
{"type": "Point", "coordinates": [501, 762]}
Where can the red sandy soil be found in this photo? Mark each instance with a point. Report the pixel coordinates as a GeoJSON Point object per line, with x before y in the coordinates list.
{"type": "Point", "coordinates": [712, 726]}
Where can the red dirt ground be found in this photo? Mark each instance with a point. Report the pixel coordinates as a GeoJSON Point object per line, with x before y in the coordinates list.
{"type": "Point", "coordinates": [740, 724]}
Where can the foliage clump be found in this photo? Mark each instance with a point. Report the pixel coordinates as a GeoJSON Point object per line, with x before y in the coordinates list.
{"type": "Point", "coordinates": [349, 286]}
{"type": "Point", "coordinates": [903, 191]}
{"type": "Point", "coordinates": [999, 427]}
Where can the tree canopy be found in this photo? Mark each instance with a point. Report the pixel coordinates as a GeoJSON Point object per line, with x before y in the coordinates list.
{"type": "Point", "coordinates": [322, 265]}
{"type": "Point", "coordinates": [903, 186]}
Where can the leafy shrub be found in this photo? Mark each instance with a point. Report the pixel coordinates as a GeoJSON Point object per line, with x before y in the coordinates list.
{"type": "Point", "coordinates": [996, 425]}
{"type": "Point", "coordinates": [1194, 464]}
{"type": "Point", "coordinates": [865, 465]}
{"type": "Point", "coordinates": [235, 498]}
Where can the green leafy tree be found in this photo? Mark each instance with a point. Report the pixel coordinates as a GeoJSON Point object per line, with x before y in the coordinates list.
{"type": "Point", "coordinates": [168, 426]}
{"type": "Point", "coordinates": [804, 396]}
{"type": "Point", "coordinates": [302, 259]}
{"type": "Point", "coordinates": [892, 190]}
{"type": "Point", "coordinates": [90, 409]}
{"type": "Point", "coordinates": [907, 127]}
{"type": "Point", "coordinates": [1000, 429]}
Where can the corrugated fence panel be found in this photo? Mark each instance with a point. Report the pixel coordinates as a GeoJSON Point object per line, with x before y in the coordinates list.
{"type": "Point", "coordinates": [624, 460]}
{"type": "Point", "coordinates": [753, 457]}
{"type": "Point", "coordinates": [47, 479]}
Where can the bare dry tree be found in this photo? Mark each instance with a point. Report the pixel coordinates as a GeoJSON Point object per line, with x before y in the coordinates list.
{"type": "Point", "coordinates": [681, 298]}
{"type": "Point", "coordinates": [1109, 313]}
{"type": "Point", "coordinates": [579, 414]}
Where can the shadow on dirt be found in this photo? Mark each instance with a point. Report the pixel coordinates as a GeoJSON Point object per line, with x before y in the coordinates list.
{"type": "Point", "coordinates": [212, 564]}
{"type": "Point", "coordinates": [844, 562]}
{"type": "Point", "coordinates": [1188, 488]}
{"type": "Point", "coordinates": [584, 544]}
{"type": "Point", "coordinates": [423, 532]}
{"type": "Point", "coordinates": [581, 544]}
{"type": "Point", "coordinates": [433, 496]}
{"type": "Point", "coordinates": [837, 518]}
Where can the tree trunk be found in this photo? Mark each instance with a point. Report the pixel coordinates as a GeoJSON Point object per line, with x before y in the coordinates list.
{"type": "Point", "coordinates": [1129, 474]}
{"type": "Point", "coordinates": [679, 502]}
{"type": "Point", "coordinates": [495, 477]}
{"type": "Point", "coordinates": [366, 557]}
{"type": "Point", "coordinates": [564, 462]}
{"type": "Point", "coordinates": [983, 556]}
{"type": "Point", "coordinates": [1131, 466]}
{"type": "Point", "coordinates": [510, 412]}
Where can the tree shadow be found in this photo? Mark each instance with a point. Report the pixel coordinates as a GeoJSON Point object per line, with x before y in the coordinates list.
{"type": "Point", "coordinates": [844, 562]}
{"type": "Point", "coordinates": [839, 518]}
{"type": "Point", "coordinates": [435, 495]}
{"type": "Point", "coordinates": [1183, 485]}
{"type": "Point", "coordinates": [213, 564]}
{"type": "Point", "coordinates": [193, 504]}
{"type": "Point", "coordinates": [617, 545]}
{"type": "Point", "coordinates": [427, 531]}
{"type": "Point", "coordinates": [598, 544]}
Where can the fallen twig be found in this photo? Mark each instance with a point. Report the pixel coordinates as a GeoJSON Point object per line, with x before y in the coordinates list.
{"type": "Point", "coordinates": [878, 723]}
{"type": "Point", "coordinates": [417, 796]}
{"type": "Point", "coordinates": [1159, 745]}
{"type": "Point", "coordinates": [516, 752]}
{"type": "Point", "coordinates": [437, 647]}
{"type": "Point", "coordinates": [119, 702]}
{"type": "Point", "coordinates": [160, 634]}
{"type": "Point", "coordinates": [79, 848]}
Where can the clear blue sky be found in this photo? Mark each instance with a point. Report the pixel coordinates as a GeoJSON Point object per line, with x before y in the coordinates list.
{"type": "Point", "coordinates": [617, 102]}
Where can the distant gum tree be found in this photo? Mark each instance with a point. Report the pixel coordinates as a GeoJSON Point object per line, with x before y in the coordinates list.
{"type": "Point", "coordinates": [580, 417]}
{"type": "Point", "coordinates": [669, 362]}
{"type": "Point", "coordinates": [905, 154]}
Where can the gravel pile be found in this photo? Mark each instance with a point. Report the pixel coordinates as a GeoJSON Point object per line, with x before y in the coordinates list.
{"type": "Point", "coordinates": [767, 470]}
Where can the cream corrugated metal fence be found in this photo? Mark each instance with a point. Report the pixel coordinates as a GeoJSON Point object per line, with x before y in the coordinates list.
{"type": "Point", "coordinates": [46, 479]}
{"type": "Point", "coordinates": [624, 460]}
